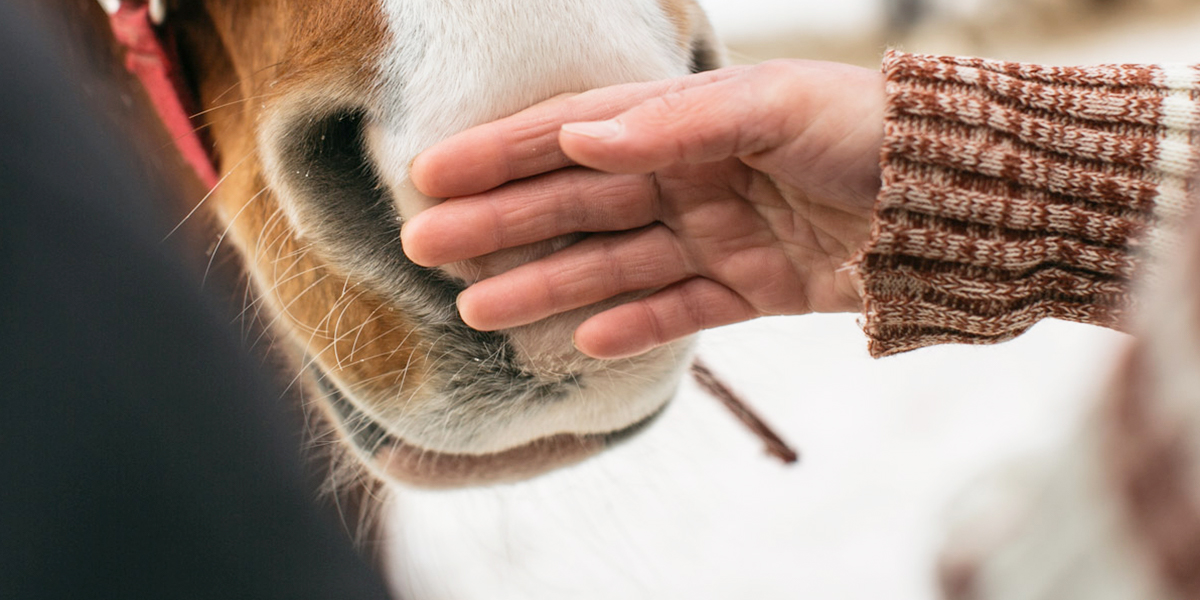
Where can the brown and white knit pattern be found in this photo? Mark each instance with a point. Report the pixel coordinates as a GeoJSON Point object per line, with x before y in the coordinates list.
{"type": "Point", "coordinates": [1015, 192]}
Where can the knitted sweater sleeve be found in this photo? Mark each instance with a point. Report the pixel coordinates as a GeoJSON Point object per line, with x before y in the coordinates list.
{"type": "Point", "coordinates": [1014, 192]}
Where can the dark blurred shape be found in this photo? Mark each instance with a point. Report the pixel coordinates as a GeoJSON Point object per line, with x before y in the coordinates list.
{"type": "Point", "coordinates": [141, 453]}
{"type": "Point", "coordinates": [903, 15]}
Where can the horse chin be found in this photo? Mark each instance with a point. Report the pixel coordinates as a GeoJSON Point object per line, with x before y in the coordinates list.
{"type": "Point", "coordinates": [476, 400]}
{"type": "Point", "coordinates": [459, 405]}
{"type": "Point", "coordinates": [391, 457]}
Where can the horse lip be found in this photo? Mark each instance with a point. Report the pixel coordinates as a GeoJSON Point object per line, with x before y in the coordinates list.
{"type": "Point", "coordinates": [398, 460]}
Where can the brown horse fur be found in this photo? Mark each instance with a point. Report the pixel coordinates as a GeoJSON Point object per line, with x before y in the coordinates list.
{"type": "Point", "coordinates": [250, 61]}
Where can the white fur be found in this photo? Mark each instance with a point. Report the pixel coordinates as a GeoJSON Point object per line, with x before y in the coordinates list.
{"type": "Point", "coordinates": [440, 75]}
{"type": "Point", "coordinates": [452, 64]}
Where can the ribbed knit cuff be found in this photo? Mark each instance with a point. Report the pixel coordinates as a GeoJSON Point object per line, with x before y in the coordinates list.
{"type": "Point", "coordinates": [1014, 192]}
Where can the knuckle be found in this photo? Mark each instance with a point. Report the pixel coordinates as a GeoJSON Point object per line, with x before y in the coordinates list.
{"type": "Point", "coordinates": [653, 322]}
{"type": "Point", "coordinates": [623, 202]}
{"type": "Point", "coordinates": [774, 70]}
{"type": "Point", "coordinates": [661, 112]}
{"type": "Point", "coordinates": [555, 289]}
{"type": "Point", "coordinates": [497, 224]}
{"type": "Point", "coordinates": [613, 265]}
{"type": "Point", "coordinates": [694, 312]}
{"type": "Point", "coordinates": [675, 124]}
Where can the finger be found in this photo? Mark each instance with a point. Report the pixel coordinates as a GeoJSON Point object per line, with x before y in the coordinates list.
{"type": "Point", "coordinates": [669, 314]}
{"type": "Point", "coordinates": [526, 143]}
{"type": "Point", "coordinates": [528, 211]}
{"type": "Point", "coordinates": [592, 270]}
{"type": "Point", "coordinates": [693, 125]}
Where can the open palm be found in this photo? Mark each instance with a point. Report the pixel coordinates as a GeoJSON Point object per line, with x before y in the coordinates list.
{"type": "Point", "coordinates": [720, 197]}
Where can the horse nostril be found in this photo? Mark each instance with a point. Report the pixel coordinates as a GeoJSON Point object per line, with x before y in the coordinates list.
{"type": "Point", "coordinates": [324, 161]}
{"type": "Point", "coordinates": [329, 187]}
{"type": "Point", "coordinates": [331, 190]}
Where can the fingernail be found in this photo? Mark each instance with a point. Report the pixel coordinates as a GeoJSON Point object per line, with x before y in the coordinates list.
{"type": "Point", "coordinates": [458, 306]}
{"type": "Point", "coordinates": [575, 343]}
{"type": "Point", "coordinates": [626, 350]}
{"type": "Point", "coordinates": [597, 130]}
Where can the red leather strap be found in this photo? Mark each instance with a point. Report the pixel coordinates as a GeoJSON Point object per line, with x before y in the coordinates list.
{"type": "Point", "coordinates": [151, 56]}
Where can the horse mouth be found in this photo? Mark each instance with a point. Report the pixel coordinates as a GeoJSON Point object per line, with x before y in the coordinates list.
{"type": "Point", "coordinates": [447, 405]}
{"type": "Point", "coordinates": [395, 459]}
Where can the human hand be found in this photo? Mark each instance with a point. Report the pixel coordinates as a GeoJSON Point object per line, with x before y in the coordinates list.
{"type": "Point", "coordinates": [726, 195]}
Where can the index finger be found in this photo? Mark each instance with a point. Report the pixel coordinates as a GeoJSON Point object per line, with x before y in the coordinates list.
{"type": "Point", "coordinates": [526, 144]}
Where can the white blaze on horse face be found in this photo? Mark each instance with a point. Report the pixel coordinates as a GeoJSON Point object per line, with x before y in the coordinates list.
{"type": "Point", "coordinates": [453, 64]}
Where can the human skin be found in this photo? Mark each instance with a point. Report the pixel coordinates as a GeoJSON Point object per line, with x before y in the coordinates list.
{"type": "Point", "coordinates": [722, 196]}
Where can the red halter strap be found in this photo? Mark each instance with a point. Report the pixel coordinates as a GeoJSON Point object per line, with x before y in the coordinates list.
{"type": "Point", "coordinates": [150, 55]}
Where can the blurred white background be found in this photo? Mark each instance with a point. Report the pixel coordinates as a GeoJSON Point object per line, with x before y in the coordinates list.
{"type": "Point", "coordinates": [736, 19]}
{"type": "Point", "coordinates": [693, 509]}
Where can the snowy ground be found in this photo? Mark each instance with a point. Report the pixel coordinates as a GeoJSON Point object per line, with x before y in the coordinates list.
{"type": "Point", "coordinates": [692, 509]}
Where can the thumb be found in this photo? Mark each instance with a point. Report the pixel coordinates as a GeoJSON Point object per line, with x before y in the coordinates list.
{"type": "Point", "coordinates": [696, 125]}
